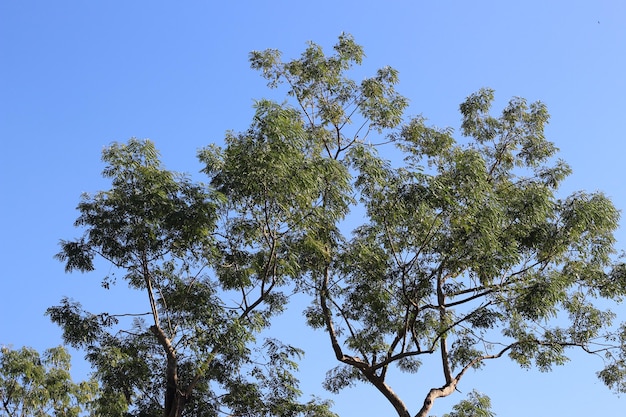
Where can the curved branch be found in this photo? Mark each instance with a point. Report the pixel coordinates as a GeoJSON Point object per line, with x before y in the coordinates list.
{"type": "Point", "coordinates": [330, 329]}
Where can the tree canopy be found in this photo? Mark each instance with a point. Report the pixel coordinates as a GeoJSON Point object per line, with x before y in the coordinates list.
{"type": "Point", "coordinates": [188, 352]}
{"type": "Point", "coordinates": [413, 243]}
{"type": "Point", "coordinates": [32, 384]}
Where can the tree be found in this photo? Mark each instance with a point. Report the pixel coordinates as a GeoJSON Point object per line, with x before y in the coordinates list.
{"type": "Point", "coordinates": [40, 385]}
{"type": "Point", "coordinates": [188, 352]}
{"type": "Point", "coordinates": [466, 253]}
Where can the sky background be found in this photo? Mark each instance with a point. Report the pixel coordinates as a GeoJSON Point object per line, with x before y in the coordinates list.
{"type": "Point", "coordinates": [78, 75]}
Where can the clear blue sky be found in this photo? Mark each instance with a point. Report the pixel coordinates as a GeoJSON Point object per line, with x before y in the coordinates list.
{"type": "Point", "coordinates": [76, 76]}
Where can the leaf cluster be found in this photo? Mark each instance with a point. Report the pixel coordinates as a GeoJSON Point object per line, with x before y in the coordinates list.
{"type": "Point", "coordinates": [34, 384]}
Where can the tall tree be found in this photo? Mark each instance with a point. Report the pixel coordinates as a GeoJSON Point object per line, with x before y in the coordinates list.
{"type": "Point", "coordinates": [466, 253]}
{"type": "Point", "coordinates": [40, 385]}
{"type": "Point", "coordinates": [188, 351]}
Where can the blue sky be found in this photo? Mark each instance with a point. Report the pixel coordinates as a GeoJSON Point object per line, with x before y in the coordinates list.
{"type": "Point", "coordinates": [76, 76]}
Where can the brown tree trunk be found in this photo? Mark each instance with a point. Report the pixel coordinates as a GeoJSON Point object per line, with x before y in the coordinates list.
{"type": "Point", "coordinates": [433, 394]}
{"type": "Point", "coordinates": [386, 390]}
{"type": "Point", "coordinates": [175, 399]}
{"type": "Point", "coordinates": [176, 404]}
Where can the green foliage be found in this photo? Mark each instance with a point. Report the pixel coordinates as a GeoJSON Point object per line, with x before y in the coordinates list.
{"type": "Point", "coordinates": [40, 385]}
{"type": "Point", "coordinates": [182, 244]}
{"type": "Point", "coordinates": [477, 405]}
{"type": "Point", "coordinates": [614, 373]}
{"type": "Point", "coordinates": [149, 212]}
{"type": "Point", "coordinates": [467, 249]}
{"type": "Point", "coordinates": [464, 248]}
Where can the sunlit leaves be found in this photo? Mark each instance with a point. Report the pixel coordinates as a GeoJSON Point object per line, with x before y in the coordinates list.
{"type": "Point", "coordinates": [381, 104]}
{"type": "Point", "coordinates": [466, 241]}
{"type": "Point", "coordinates": [178, 242]}
{"type": "Point", "coordinates": [476, 405]}
{"type": "Point", "coordinates": [148, 212]}
{"type": "Point", "coordinates": [467, 248]}
{"type": "Point", "coordinates": [614, 372]}
{"type": "Point", "coordinates": [32, 384]}
{"type": "Point", "coordinates": [336, 110]}
{"type": "Point", "coordinates": [461, 247]}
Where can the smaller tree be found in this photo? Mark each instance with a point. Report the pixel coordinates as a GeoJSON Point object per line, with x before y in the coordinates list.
{"type": "Point", "coordinates": [191, 350]}
{"type": "Point", "coordinates": [40, 385]}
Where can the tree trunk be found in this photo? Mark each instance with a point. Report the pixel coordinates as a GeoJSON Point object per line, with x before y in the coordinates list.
{"type": "Point", "coordinates": [174, 403]}
{"type": "Point", "coordinates": [175, 399]}
{"type": "Point", "coordinates": [391, 396]}
{"type": "Point", "coordinates": [433, 394]}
